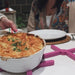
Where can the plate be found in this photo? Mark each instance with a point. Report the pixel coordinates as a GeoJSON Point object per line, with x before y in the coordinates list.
{"type": "Point", "coordinates": [4, 31]}
{"type": "Point", "coordinates": [9, 29]}
{"type": "Point", "coordinates": [49, 34]}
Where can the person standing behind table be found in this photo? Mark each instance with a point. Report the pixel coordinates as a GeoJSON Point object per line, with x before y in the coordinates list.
{"type": "Point", "coordinates": [40, 9]}
{"type": "Point", "coordinates": [6, 23]}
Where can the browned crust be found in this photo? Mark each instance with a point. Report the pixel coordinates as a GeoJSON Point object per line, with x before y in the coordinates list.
{"type": "Point", "coordinates": [32, 45]}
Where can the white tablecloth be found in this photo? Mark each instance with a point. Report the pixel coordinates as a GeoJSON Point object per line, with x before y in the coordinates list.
{"type": "Point", "coordinates": [63, 64]}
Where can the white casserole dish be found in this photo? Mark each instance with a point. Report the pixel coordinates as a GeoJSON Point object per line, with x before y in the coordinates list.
{"type": "Point", "coordinates": [19, 65]}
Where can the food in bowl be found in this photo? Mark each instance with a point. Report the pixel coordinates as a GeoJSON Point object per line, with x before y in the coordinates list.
{"type": "Point", "coordinates": [20, 52]}
{"type": "Point", "coordinates": [20, 45]}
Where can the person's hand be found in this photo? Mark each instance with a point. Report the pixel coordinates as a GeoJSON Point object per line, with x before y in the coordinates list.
{"type": "Point", "coordinates": [6, 23]}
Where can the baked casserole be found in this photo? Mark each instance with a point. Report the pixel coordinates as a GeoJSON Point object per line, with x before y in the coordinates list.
{"type": "Point", "coordinates": [20, 45]}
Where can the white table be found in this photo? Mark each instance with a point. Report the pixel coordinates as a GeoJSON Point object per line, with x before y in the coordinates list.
{"type": "Point", "coordinates": [63, 64]}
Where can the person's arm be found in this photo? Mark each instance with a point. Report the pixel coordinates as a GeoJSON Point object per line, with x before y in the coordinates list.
{"type": "Point", "coordinates": [31, 22]}
{"type": "Point", "coordinates": [41, 21]}
{"type": "Point", "coordinates": [72, 17]}
{"type": "Point", "coordinates": [6, 23]}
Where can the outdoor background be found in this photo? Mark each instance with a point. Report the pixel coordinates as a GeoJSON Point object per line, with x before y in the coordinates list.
{"type": "Point", "coordinates": [22, 8]}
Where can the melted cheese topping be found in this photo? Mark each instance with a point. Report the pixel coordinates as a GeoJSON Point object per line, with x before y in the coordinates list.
{"type": "Point", "coordinates": [19, 45]}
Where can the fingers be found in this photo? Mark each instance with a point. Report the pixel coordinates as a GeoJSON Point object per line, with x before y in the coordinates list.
{"type": "Point", "coordinates": [10, 24]}
{"type": "Point", "coordinates": [6, 23]}
{"type": "Point", "coordinates": [13, 27]}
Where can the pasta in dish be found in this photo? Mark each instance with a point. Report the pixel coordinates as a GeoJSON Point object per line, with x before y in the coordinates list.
{"type": "Point", "coordinates": [20, 45]}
